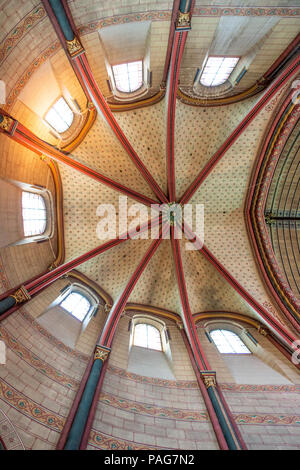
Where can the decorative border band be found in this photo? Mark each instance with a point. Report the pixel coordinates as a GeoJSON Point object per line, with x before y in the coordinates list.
{"type": "Point", "coordinates": [29, 408]}
{"type": "Point", "coordinates": [275, 141]}
{"type": "Point", "coordinates": [106, 442]}
{"type": "Point", "coordinates": [25, 25]}
{"type": "Point", "coordinates": [244, 388]}
{"type": "Point", "coordinates": [53, 421]}
{"type": "Point", "coordinates": [151, 410]}
{"type": "Point", "coordinates": [34, 361]}
{"type": "Point", "coordinates": [21, 82]}
{"type": "Point", "coordinates": [247, 11]}
{"type": "Point", "coordinates": [184, 384]}
{"type": "Point", "coordinates": [37, 14]}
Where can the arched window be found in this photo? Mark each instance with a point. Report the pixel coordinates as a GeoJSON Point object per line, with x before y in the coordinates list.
{"type": "Point", "coordinates": [228, 342]}
{"type": "Point", "coordinates": [77, 305]}
{"type": "Point", "coordinates": [60, 116]}
{"type": "Point", "coordinates": [34, 214]}
{"type": "Point", "coordinates": [217, 70]}
{"type": "Point", "coordinates": [128, 77]}
{"type": "Point", "coordinates": [147, 336]}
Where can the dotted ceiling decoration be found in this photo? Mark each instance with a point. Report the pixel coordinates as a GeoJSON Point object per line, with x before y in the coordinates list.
{"type": "Point", "coordinates": [198, 134]}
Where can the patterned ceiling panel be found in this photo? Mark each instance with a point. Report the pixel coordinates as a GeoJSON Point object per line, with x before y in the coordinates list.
{"type": "Point", "coordinates": [207, 290]}
{"type": "Point", "coordinates": [158, 285]}
{"type": "Point", "coordinates": [199, 132]}
{"type": "Point", "coordinates": [223, 195]}
{"type": "Point", "coordinates": [102, 151]}
{"type": "Point", "coordinates": [145, 129]}
{"type": "Point", "coordinates": [113, 269]}
{"type": "Point", "coordinates": [82, 196]}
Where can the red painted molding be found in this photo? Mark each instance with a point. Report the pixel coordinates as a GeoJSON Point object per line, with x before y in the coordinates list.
{"type": "Point", "coordinates": [25, 137]}
{"type": "Point", "coordinates": [189, 321]}
{"type": "Point", "coordinates": [254, 211]}
{"type": "Point", "coordinates": [283, 56]}
{"type": "Point", "coordinates": [232, 420]}
{"type": "Point", "coordinates": [118, 307]}
{"type": "Point", "coordinates": [177, 53]}
{"type": "Point", "coordinates": [272, 322]}
{"type": "Point", "coordinates": [170, 41]}
{"type": "Point", "coordinates": [3, 444]}
{"type": "Point", "coordinates": [291, 70]}
{"type": "Point", "coordinates": [87, 79]}
{"type": "Point", "coordinates": [39, 283]}
{"type": "Point", "coordinates": [210, 409]}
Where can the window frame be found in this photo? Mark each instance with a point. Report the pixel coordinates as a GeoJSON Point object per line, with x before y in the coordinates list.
{"type": "Point", "coordinates": [115, 80]}
{"type": "Point", "coordinates": [148, 325]}
{"type": "Point", "coordinates": [227, 78]}
{"type": "Point", "coordinates": [52, 106]}
{"type": "Point", "coordinates": [48, 198]}
{"type": "Point", "coordinates": [39, 195]}
{"type": "Point", "coordinates": [85, 292]}
{"type": "Point", "coordinates": [76, 292]}
{"type": "Point", "coordinates": [233, 333]}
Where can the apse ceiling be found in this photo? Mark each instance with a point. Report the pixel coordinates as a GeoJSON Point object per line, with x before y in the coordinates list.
{"type": "Point", "coordinates": [199, 132]}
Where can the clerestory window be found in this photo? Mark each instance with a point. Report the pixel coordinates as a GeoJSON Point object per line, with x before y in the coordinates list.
{"type": "Point", "coordinates": [228, 342]}
{"type": "Point", "coordinates": [77, 305]}
{"type": "Point", "coordinates": [217, 70]}
{"type": "Point", "coordinates": [147, 336]}
{"type": "Point", "coordinates": [34, 214]}
{"type": "Point", "coordinates": [60, 116]}
{"type": "Point", "coordinates": [128, 77]}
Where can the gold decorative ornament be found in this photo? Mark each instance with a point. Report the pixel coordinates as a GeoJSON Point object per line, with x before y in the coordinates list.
{"type": "Point", "coordinates": [107, 308]}
{"type": "Point", "coordinates": [209, 379]}
{"type": "Point", "coordinates": [183, 20]}
{"type": "Point", "coordinates": [21, 295]}
{"type": "Point", "coordinates": [262, 331]}
{"type": "Point", "coordinates": [101, 353]}
{"type": "Point", "coordinates": [6, 123]}
{"type": "Point", "coordinates": [74, 46]}
{"type": "Point", "coordinates": [52, 266]}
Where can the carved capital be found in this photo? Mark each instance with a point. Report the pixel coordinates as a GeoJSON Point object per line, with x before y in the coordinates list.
{"type": "Point", "coordinates": [7, 123]}
{"type": "Point", "coordinates": [101, 352]}
{"type": "Point", "coordinates": [209, 378]}
{"type": "Point", "coordinates": [263, 331]}
{"type": "Point", "coordinates": [74, 47]}
{"type": "Point", "coordinates": [52, 266]}
{"type": "Point", "coordinates": [107, 308]}
{"type": "Point", "coordinates": [21, 295]}
{"type": "Point", "coordinates": [183, 21]}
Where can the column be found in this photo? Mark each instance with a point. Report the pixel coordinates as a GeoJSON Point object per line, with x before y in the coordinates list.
{"type": "Point", "coordinates": [78, 426]}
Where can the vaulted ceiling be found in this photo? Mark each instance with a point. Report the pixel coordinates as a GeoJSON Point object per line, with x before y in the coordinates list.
{"type": "Point", "coordinates": [28, 42]}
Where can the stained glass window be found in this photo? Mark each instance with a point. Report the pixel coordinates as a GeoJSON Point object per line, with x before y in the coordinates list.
{"type": "Point", "coordinates": [217, 70]}
{"type": "Point", "coordinates": [34, 214]}
{"type": "Point", "coordinates": [147, 336]}
{"type": "Point", "coordinates": [228, 342]}
{"type": "Point", "coordinates": [128, 77]}
{"type": "Point", "coordinates": [60, 116]}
